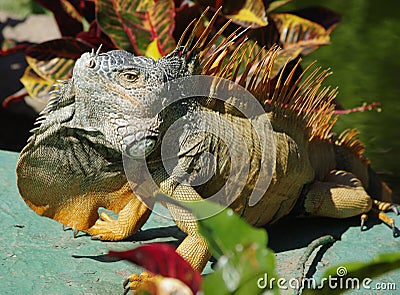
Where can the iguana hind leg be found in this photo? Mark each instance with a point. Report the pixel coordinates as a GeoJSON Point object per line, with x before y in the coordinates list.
{"type": "Point", "coordinates": [130, 219]}
{"type": "Point", "coordinates": [342, 195]}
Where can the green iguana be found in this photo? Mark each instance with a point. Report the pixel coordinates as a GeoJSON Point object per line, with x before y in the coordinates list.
{"type": "Point", "coordinates": [72, 164]}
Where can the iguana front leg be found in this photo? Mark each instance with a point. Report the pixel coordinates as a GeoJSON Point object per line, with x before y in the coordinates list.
{"type": "Point", "coordinates": [193, 248]}
{"type": "Point", "coordinates": [130, 219]}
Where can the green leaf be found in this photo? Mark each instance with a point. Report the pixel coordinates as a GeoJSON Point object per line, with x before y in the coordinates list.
{"type": "Point", "coordinates": [133, 25]}
{"type": "Point", "coordinates": [243, 258]}
{"type": "Point", "coordinates": [241, 271]}
{"type": "Point", "coordinates": [379, 265]}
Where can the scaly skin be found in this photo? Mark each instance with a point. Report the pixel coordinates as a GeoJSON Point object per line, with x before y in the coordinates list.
{"type": "Point", "coordinates": [72, 165]}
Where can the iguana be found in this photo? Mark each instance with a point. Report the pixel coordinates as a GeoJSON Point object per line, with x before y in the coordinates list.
{"type": "Point", "coordinates": [72, 164]}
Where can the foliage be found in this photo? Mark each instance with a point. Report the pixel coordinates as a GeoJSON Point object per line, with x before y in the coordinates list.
{"type": "Point", "coordinates": [161, 259]}
{"type": "Point", "coordinates": [152, 28]}
{"type": "Point", "coordinates": [242, 258]}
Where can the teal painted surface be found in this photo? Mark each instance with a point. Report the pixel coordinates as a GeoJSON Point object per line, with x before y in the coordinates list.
{"type": "Point", "coordinates": [38, 257]}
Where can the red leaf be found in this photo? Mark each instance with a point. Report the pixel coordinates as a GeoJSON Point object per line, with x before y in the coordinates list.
{"type": "Point", "coordinates": [12, 48]}
{"type": "Point", "coordinates": [86, 8]}
{"type": "Point", "coordinates": [96, 37]}
{"type": "Point", "coordinates": [67, 23]}
{"type": "Point", "coordinates": [14, 98]}
{"type": "Point", "coordinates": [62, 48]}
{"type": "Point", "coordinates": [162, 259]}
{"type": "Point", "coordinates": [184, 14]}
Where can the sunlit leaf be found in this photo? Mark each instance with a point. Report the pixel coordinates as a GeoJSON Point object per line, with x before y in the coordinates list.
{"type": "Point", "coordinates": [37, 87]}
{"type": "Point", "coordinates": [285, 55]}
{"type": "Point", "coordinates": [252, 13]}
{"type": "Point", "coordinates": [320, 15]}
{"type": "Point", "coordinates": [161, 19]}
{"type": "Point", "coordinates": [133, 29]}
{"type": "Point", "coordinates": [54, 60]}
{"type": "Point", "coordinates": [48, 62]}
{"type": "Point", "coordinates": [297, 32]}
{"type": "Point", "coordinates": [242, 12]}
{"type": "Point", "coordinates": [162, 259]}
{"type": "Point", "coordinates": [152, 50]}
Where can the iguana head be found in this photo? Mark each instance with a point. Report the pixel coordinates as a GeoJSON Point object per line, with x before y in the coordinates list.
{"type": "Point", "coordinates": [115, 90]}
{"type": "Point", "coordinates": [112, 94]}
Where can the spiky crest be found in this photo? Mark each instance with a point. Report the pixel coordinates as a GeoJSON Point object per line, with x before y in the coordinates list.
{"type": "Point", "coordinates": [349, 139]}
{"type": "Point", "coordinates": [304, 101]}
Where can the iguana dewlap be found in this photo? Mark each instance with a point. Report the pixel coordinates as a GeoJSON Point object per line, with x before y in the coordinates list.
{"type": "Point", "coordinates": [72, 164]}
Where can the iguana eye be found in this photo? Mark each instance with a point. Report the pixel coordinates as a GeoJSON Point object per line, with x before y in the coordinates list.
{"type": "Point", "coordinates": [91, 63]}
{"type": "Point", "coordinates": [131, 76]}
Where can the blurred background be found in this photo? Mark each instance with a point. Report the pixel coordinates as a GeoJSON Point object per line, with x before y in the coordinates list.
{"type": "Point", "coordinates": [363, 56]}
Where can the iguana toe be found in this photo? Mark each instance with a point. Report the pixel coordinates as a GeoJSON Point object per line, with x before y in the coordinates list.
{"type": "Point", "coordinates": [386, 206]}
{"type": "Point", "coordinates": [378, 211]}
{"type": "Point", "coordinates": [107, 229]}
{"type": "Point", "coordinates": [135, 281]}
{"type": "Point", "coordinates": [380, 207]}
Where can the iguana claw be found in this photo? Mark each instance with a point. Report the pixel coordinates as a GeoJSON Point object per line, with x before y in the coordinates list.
{"type": "Point", "coordinates": [394, 208]}
{"type": "Point", "coordinates": [364, 218]}
{"type": "Point", "coordinates": [76, 232]}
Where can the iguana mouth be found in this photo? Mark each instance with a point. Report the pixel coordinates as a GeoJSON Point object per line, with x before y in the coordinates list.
{"type": "Point", "coordinates": [139, 145]}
